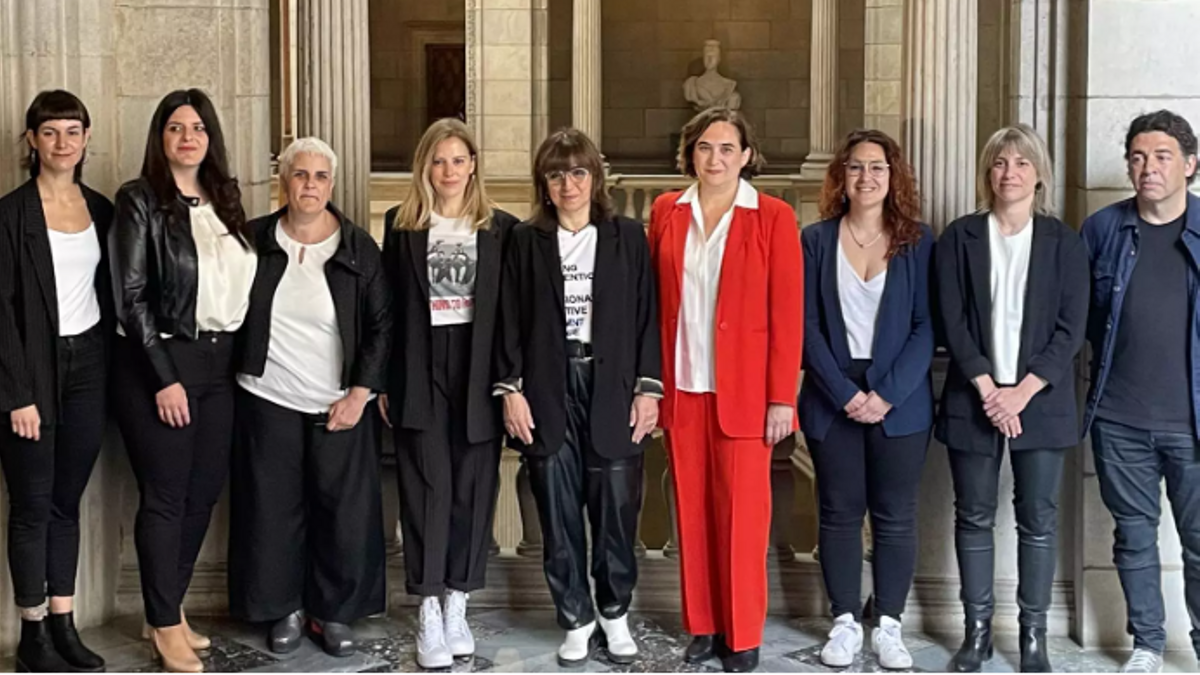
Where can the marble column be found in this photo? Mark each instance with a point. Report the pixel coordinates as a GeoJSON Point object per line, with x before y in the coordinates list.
{"type": "Point", "coordinates": [586, 79]}
{"type": "Point", "coordinates": [941, 96]}
{"type": "Point", "coordinates": [334, 94]}
{"type": "Point", "coordinates": [823, 83]}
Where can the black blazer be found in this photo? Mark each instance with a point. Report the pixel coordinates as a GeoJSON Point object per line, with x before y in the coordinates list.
{"type": "Point", "coordinates": [410, 371]}
{"type": "Point", "coordinates": [29, 299]}
{"type": "Point", "coordinates": [360, 299]}
{"type": "Point", "coordinates": [1052, 333]}
{"type": "Point", "coordinates": [531, 339]}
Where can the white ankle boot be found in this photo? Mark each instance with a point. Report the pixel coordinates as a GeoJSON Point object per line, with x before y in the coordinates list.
{"type": "Point", "coordinates": [431, 638]}
{"type": "Point", "coordinates": [459, 640]}
{"type": "Point", "coordinates": [577, 648]}
{"type": "Point", "coordinates": [621, 646]}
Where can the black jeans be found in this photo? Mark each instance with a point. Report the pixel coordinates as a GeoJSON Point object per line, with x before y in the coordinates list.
{"type": "Point", "coordinates": [611, 489]}
{"type": "Point", "coordinates": [1037, 475]}
{"type": "Point", "coordinates": [179, 472]}
{"type": "Point", "coordinates": [448, 485]}
{"type": "Point", "coordinates": [860, 469]}
{"type": "Point", "coordinates": [306, 528]}
{"type": "Point", "coordinates": [1131, 465]}
{"type": "Point", "coordinates": [46, 478]}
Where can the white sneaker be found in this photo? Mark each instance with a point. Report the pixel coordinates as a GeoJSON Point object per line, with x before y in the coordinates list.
{"type": "Point", "coordinates": [431, 636]}
{"type": "Point", "coordinates": [577, 648]}
{"type": "Point", "coordinates": [889, 645]}
{"type": "Point", "coordinates": [1143, 661]}
{"type": "Point", "coordinates": [459, 640]}
{"type": "Point", "coordinates": [621, 646]}
{"type": "Point", "coordinates": [845, 642]}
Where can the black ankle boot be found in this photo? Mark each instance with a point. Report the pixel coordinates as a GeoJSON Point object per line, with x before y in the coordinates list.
{"type": "Point", "coordinates": [36, 653]}
{"type": "Point", "coordinates": [976, 647]}
{"type": "Point", "coordinates": [70, 647]}
{"type": "Point", "coordinates": [1034, 655]}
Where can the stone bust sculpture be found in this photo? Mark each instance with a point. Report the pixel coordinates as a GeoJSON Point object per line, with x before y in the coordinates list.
{"type": "Point", "coordinates": [712, 90]}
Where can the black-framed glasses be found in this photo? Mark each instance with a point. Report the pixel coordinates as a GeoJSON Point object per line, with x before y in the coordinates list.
{"type": "Point", "coordinates": [577, 174]}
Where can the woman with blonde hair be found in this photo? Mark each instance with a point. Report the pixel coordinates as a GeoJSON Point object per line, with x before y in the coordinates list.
{"type": "Point", "coordinates": [442, 257]}
{"type": "Point", "coordinates": [1013, 288]}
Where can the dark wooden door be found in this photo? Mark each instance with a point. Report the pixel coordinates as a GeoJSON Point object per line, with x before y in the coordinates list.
{"type": "Point", "coordinates": [445, 81]}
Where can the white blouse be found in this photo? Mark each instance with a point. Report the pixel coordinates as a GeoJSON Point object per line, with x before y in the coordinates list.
{"type": "Point", "coordinates": [224, 273]}
{"type": "Point", "coordinates": [859, 299]}
{"type": "Point", "coordinates": [1009, 278]}
{"type": "Point", "coordinates": [76, 256]}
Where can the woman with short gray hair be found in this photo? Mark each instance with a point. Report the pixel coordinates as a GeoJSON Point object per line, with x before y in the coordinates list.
{"type": "Point", "coordinates": [306, 540]}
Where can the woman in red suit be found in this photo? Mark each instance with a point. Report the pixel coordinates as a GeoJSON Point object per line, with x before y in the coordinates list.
{"type": "Point", "coordinates": [731, 297]}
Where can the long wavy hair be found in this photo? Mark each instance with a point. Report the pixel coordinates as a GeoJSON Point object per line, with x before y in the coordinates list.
{"type": "Point", "coordinates": [901, 207]}
{"type": "Point", "coordinates": [221, 187]}
{"type": "Point", "coordinates": [415, 211]}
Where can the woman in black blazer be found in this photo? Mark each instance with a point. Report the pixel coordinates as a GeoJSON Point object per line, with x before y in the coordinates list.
{"type": "Point", "coordinates": [56, 314]}
{"type": "Point", "coordinates": [1013, 287]}
{"type": "Point", "coordinates": [577, 362]}
{"type": "Point", "coordinates": [442, 256]}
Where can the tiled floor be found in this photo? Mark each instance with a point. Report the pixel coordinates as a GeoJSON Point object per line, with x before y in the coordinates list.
{"type": "Point", "coordinates": [525, 641]}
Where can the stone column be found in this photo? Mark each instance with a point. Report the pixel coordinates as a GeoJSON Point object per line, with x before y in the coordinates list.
{"type": "Point", "coordinates": [823, 82]}
{"type": "Point", "coordinates": [586, 78]}
{"type": "Point", "coordinates": [941, 95]}
{"type": "Point", "coordinates": [334, 94]}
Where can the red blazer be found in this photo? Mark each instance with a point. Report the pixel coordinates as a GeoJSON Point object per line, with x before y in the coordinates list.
{"type": "Point", "coordinates": [760, 310]}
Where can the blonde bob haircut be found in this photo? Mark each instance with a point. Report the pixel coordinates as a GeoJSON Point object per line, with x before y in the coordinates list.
{"type": "Point", "coordinates": [415, 211]}
{"type": "Point", "coordinates": [1022, 139]}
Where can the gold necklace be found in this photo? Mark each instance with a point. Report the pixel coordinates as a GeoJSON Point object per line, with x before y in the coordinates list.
{"type": "Point", "coordinates": [850, 229]}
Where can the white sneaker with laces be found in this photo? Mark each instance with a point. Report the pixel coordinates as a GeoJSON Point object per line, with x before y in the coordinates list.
{"type": "Point", "coordinates": [845, 642]}
{"type": "Point", "coordinates": [889, 645]}
{"type": "Point", "coordinates": [459, 640]}
{"type": "Point", "coordinates": [577, 648]}
{"type": "Point", "coordinates": [1143, 661]}
{"type": "Point", "coordinates": [431, 636]}
{"type": "Point", "coordinates": [621, 646]}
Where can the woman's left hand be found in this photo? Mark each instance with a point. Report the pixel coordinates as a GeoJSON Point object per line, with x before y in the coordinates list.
{"type": "Point", "coordinates": [779, 423]}
{"type": "Point", "coordinates": [347, 411]}
{"type": "Point", "coordinates": [643, 416]}
{"type": "Point", "coordinates": [873, 411]}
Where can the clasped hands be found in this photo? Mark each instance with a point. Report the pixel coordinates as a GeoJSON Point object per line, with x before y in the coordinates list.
{"type": "Point", "coordinates": [867, 408]}
{"type": "Point", "coordinates": [1004, 405]}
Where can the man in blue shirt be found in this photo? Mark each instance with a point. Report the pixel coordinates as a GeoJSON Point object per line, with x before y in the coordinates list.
{"type": "Point", "coordinates": [1145, 336]}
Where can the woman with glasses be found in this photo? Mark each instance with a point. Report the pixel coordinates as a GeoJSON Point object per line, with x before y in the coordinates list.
{"type": "Point", "coordinates": [578, 365]}
{"type": "Point", "coordinates": [867, 399]}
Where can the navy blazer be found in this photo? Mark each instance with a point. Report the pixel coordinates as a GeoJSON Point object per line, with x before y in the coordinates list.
{"type": "Point", "coordinates": [901, 355]}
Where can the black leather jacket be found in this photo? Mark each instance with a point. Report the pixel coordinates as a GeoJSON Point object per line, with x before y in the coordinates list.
{"type": "Point", "coordinates": [154, 272]}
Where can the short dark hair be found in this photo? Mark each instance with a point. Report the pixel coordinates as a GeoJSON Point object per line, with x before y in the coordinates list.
{"type": "Point", "coordinates": [1169, 123]}
{"type": "Point", "coordinates": [54, 104]}
{"type": "Point", "coordinates": [695, 128]}
{"type": "Point", "coordinates": [563, 150]}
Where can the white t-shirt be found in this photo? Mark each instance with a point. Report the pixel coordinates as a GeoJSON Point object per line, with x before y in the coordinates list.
{"type": "Point", "coordinates": [452, 260]}
{"type": "Point", "coordinates": [1010, 275]}
{"type": "Point", "coordinates": [224, 272]}
{"type": "Point", "coordinates": [577, 250]}
{"type": "Point", "coordinates": [859, 299]}
{"type": "Point", "coordinates": [303, 371]}
{"type": "Point", "coordinates": [76, 257]}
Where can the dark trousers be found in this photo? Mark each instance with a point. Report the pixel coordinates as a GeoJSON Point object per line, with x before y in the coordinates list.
{"type": "Point", "coordinates": [859, 469]}
{"type": "Point", "coordinates": [1131, 464]}
{"type": "Point", "coordinates": [563, 485]}
{"type": "Point", "coordinates": [1037, 475]}
{"type": "Point", "coordinates": [46, 478]}
{"type": "Point", "coordinates": [180, 472]}
{"type": "Point", "coordinates": [307, 515]}
{"type": "Point", "coordinates": [447, 484]}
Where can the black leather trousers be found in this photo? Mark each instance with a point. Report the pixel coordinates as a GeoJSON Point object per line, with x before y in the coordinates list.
{"type": "Point", "coordinates": [1037, 475]}
{"type": "Point", "coordinates": [563, 485]}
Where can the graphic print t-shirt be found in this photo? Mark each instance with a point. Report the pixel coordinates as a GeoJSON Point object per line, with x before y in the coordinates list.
{"type": "Point", "coordinates": [578, 253]}
{"type": "Point", "coordinates": [451, 261]}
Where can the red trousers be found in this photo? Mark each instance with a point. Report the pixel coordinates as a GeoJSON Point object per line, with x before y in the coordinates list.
{"type": "Point", "coordinates": [723, 510]}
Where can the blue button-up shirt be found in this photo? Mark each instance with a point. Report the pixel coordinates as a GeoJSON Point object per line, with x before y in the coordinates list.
{"type": "Point", "coordinates": [1111, 237]}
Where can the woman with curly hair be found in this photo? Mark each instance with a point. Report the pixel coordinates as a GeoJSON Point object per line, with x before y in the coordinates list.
{"type": "Point", "coordinates": [867, 400]}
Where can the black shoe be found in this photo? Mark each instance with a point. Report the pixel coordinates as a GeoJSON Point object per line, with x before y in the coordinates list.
{"type": "Point", "coordinates": [68, 645]}
{"type": "Point", "coordinates": [702, 648]}
{"type": "Point", "coordinates": [1035, 657]}
{"type": "Point", "coordinates": [976, 647]}
{"type": "Point", "coordinates": [36, 652]}
{"type": "Point", "coordinates": [337, 639]}
{"type": "Point", "coordinates": [286, 633]}
{"type": "Point", "coordinates": [740, 662]}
